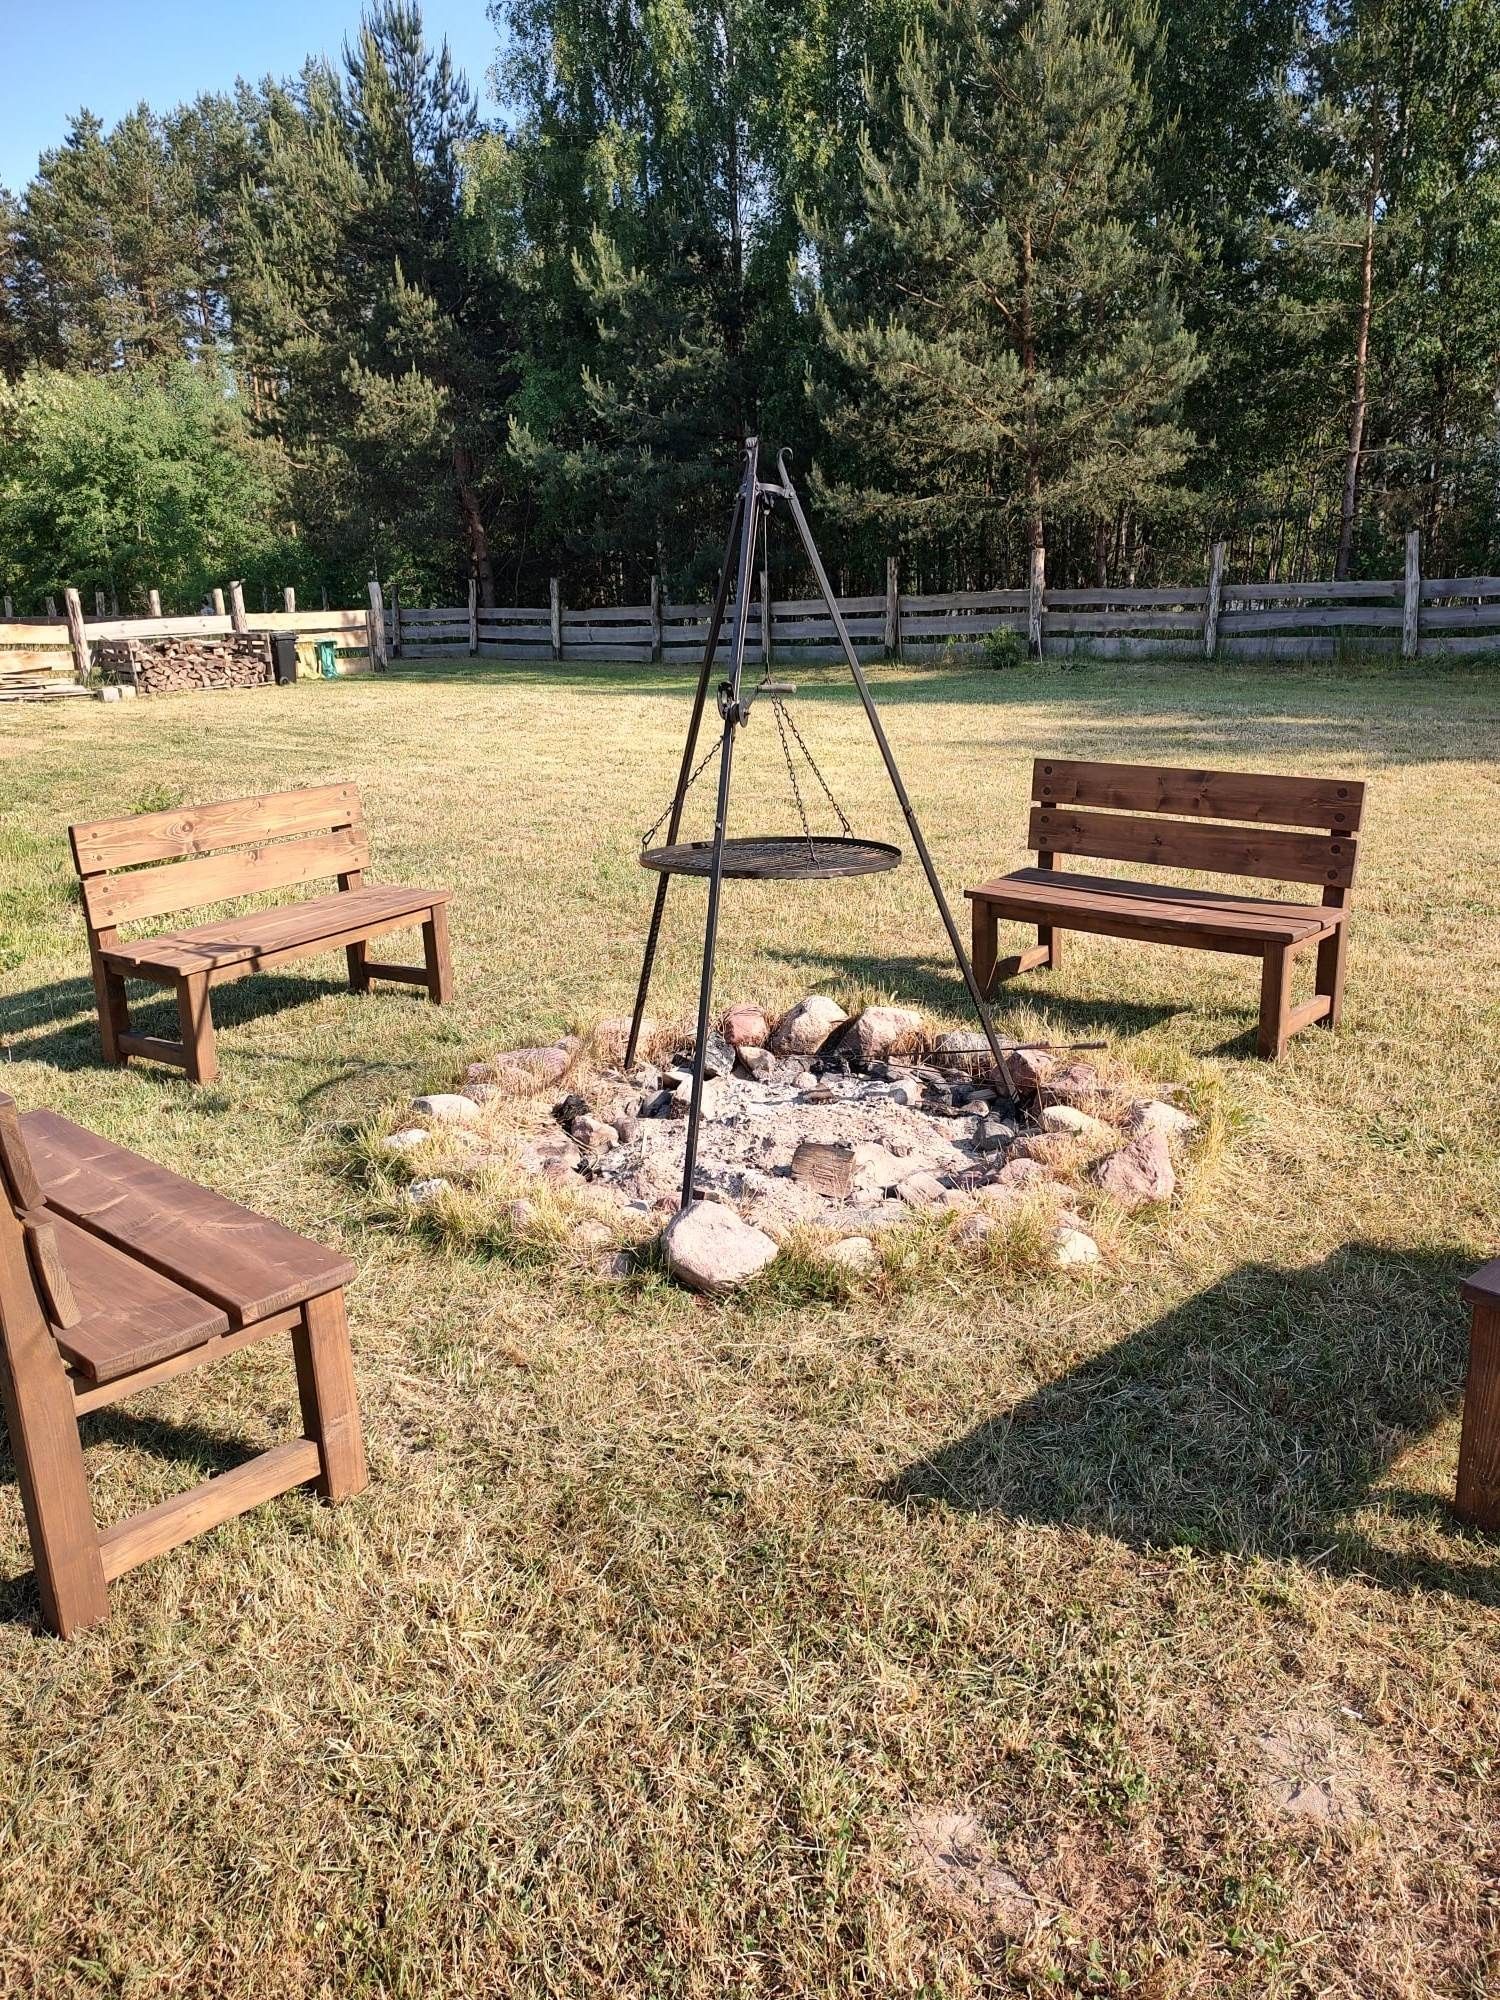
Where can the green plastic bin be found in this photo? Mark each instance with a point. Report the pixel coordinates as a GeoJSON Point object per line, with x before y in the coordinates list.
{"type": "Point", "coordinates": [328, 665]}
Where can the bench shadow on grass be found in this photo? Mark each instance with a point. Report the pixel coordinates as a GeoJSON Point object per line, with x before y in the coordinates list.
{"type": "Point", "coordinates": [58, 1023]}
{"type": "Point", "coordinates": [1254, 1419]}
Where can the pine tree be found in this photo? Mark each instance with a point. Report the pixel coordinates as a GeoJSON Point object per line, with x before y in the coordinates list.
{"type": "Point", "coordinates": [1028, 354]}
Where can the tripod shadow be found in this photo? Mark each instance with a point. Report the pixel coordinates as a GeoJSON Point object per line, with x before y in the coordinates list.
{"type": "Point", "coordinates": [1252, 1419]}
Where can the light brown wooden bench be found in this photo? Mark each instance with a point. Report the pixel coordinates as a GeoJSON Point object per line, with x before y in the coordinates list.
{"type": "Point", "coordinates": [1301, 830]}
{"type": "Point", "coordinates": [116, 1275]}
{"type": "Point", "coordinates": [218, 853]}
{"type": "Point", "coordinates": [1478, 1496]}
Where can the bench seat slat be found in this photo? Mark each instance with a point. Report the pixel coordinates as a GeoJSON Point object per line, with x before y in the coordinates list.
{"type": "Point", "coordinates": [129, 1316]}
{"type": "Point", "coordinates": [1036, 893]}
{"type": "Point", "coordinates": [240, 1261]}
{"type": "Point", "coordinates": [249, 935]}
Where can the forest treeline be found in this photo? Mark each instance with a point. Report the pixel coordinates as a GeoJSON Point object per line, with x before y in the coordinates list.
{"type": "Point", "coordinates": [1061, 286]}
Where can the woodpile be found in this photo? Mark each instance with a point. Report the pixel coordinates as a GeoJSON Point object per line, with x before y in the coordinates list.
{"type": "Point", "coordinates": [168, 666]}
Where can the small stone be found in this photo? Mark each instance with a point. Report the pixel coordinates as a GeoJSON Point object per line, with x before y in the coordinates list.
{"type": "Point", "coordinates": [922, 1190]}
{"type": "Point", "coordinates": [746, 1026]}
{"type": "Point", "coordinates": [996, 1134]}
{"type": "Point", "coordinates": [521, 1214]}
{"type": "Point", "coordinates": [612, 1036]}
{"type": "Point", "coordinates": [615, 1269]}
{"type": "Point", "coordinates": [574, 1105]}
{"type": "Point", "coordinates": [1022, 1173]}
{"type": "Point", "coordinates": [718, 1057]}
{"type": "Point", "coordinates": [1072, 1248]}
{"type": "Point", "coordinates": [879, 1030]}
{"type": "Point", "coordinates": [802, 1030]}
{"type": "Point", "coordinates": [659, 1104]}
{"type": "Point", "coordinates": [974, 1230]}
{"type": "Point", "coordinates": [1030, 1068]}
{"type": "Point", "coordinates": [877, 1169]}
{"type": "Point", "coordinates": [554, 1157]}
{"type": "Point", "coordinates": [530, 1067]}
{"type": "Point", "coordinates": [420, 1193]}
{"type": "Point", "coordinates": [853, 1253]}
{"type": "Point", "coordinates": [758, 1061]}
{"type": "Point", "coordinates": [712, 1250]}
{"type": "Point", "coordinates": [405, 1139]}
{"type": "Point", "coordinates": [446, 1107]}
{"type": "Point", "coordinates": [482, 1093]}
{"type": "Point", "coordinates": [1138, 1173]}
{"type": "Point", "coordinates": [961, 1042]}
{"type": "Point", "coordinates": [905, 1090]}
{"type": "Point", "coordinates": [1068, 1118]}
{"type": "Point", "coordinates": [1078, 1079]}
{"type": "Point", "coordinates": [592, 1135]}
{"type": "Point", "coordinates": [590, 1235]}
{"type": "Point", "coordinates": [646, 1076]}
{"type": "Point", "coordinates": [1152, 1115]}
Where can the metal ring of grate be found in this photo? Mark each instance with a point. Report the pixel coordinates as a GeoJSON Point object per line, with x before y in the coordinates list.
{"type": "Point", "coordinates": [780, 857]}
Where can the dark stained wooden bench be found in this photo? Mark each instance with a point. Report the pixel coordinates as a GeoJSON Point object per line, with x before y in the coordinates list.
{"type": "Point", "coordinates": [1301, 830]}
{"type": "Point", "coordinates": [1478, 1495]}
{"type": "Point", "coordinates": [150, 864]}
{"type": "Point", "coordinates": [116, 1275]}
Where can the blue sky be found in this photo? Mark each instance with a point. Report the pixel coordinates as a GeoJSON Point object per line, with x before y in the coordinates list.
{"type": "Point", "coordinates": [61, 55]}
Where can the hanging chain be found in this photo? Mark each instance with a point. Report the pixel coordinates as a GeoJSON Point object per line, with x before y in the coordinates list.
{"type": "Point", "coordinates": [708, 757]}
{"type": "Point", "coordinates": [843, 820]}
{"type": "Point", "coordinates": [782, 720]}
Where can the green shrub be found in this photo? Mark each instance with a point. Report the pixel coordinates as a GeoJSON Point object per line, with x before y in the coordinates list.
{"type": "Point", "coordinates": [1003, 649]}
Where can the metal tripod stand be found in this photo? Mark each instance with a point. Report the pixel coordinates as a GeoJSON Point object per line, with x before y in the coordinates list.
{"type": "Point", "coordinates": [754, 502]}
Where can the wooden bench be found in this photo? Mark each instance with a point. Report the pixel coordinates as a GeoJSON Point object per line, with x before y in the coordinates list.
{"type": "Point", "coordinates": [116, 1275]}
{"type": "Point", "coordinates": [1301, 830]}
{"type": "Point", "coordinates": [1478, 1496]}
{"type": "Point", "coordinates": [149, 864]}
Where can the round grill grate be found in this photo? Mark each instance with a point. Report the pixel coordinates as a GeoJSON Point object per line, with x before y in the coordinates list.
{"type": "Point", "coordinates": [779, 857]}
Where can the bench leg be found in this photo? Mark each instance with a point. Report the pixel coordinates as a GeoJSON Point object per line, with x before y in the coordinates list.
{"type": "Point", "coordinates": [1478, 1496]}
{"type": "Point", "coordinates": [359, 978]}
{"type": "Point", "coordinates": [1330, 979]}
{"type": "Point", "coordinates": [435, 950]}
{"type": "Point", "coordinates": [330, 1401]}
{"type": "Point", "coordinates": [1049, 940]}
{"type": "Point", "coordinates": [984, 947]}
{"type": "Point", "coordinates": [42, 1424]}
{"type": "Point", "coordinates": [200, 1057]}
{"type": "Point", "coordinates": [113, 1006]}
{"type": "Point", "coordinates": [1275, 1002]}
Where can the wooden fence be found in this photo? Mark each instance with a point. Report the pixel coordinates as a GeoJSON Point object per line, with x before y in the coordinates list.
{"type": "Point", "coordinates": [1411, 615]}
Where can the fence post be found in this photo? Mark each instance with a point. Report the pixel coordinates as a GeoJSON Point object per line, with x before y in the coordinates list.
{"type": "Point", "coordinates": [153, 604]}
{"type": "Point", "coordinates": [74, 609]}
{"type": "Point", "coordinates": [473, 614]}
{"type": "Point", "coordinates": [377, 627]}
{"type": "Point", "coordinates": [1036, 602]}
{"type": "Point", "coordinates": [1215, 593]}
{"type": "Point", "coordinates": [555, 598]}
{"type": "Point", "coordinates": [10, 609]}
{"type": "Point", "coordinates": [101, 605]}
{"type": "Point", "coordinates": [396, 634]}
{"type": "Point", "coordinates": [1411, 610]}
{"type": "Point", "coordinates": [893, 607]}
{"type": "Point", "coordinates": [289, 599]}
{"type": "Point", "coordinates": [237, 619]}
{"type": "Point", "coordinates": [323, 593]}
{"type": "Point", "coordinates": [655, 616]}
{"type": "Point", "coordinates": [218, 603]}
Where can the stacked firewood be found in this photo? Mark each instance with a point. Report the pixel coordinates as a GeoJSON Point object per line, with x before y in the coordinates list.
{"type": "Point", "coordinates": [167, 666]}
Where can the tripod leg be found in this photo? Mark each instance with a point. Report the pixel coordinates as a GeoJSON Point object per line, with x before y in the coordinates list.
{"type": "Point", "coordinates": [749, 527]}
{"type": "Point", "coordinates": [674, 824]}
{"type": "Point", "coordinates": [960, 956]}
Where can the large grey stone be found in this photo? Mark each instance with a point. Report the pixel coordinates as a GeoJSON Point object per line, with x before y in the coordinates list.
{"type": "Point", "coordinates": [446, 1107]}
{"type": "Point", "coordinates": [711, 1249]}
{"type": "Point", "coordinates": [1080, 1124]}
{"type": "Point", "coordinates": [879, 1030]}
{"type": "Point", "coordinates": [803, 1029]}
{"type": "Point", "coordinates": [1152, 1115]}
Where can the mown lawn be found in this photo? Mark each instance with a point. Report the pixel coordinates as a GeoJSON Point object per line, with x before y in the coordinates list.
{"type": "Point", "coordinates": [663, 1629]}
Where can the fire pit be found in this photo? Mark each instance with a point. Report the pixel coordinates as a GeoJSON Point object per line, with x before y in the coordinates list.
{"type": "Point", "coordinates": [825, 1125]}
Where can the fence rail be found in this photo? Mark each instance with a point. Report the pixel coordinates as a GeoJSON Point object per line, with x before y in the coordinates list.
{"type": "Point", "coordinates": [1411, 615]}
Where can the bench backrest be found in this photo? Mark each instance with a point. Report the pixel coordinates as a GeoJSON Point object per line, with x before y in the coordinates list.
{"type": "Point", "coordinates": [1156, 813]}
{"type": "Point", "coordinates": [149, 864]}
{"type": "Point", "coordinates": [32, 1277]}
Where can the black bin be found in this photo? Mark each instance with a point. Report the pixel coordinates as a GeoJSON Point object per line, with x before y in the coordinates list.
{"type": "Point", "coordinates": [284, 656]}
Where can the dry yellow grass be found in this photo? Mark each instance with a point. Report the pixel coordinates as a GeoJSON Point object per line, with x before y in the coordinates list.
{"type": "Point", "coordinates": [666, 1635]}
